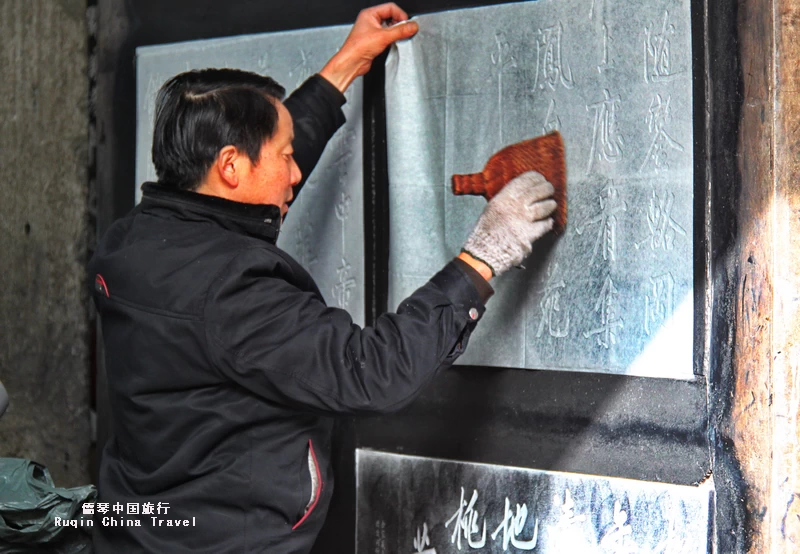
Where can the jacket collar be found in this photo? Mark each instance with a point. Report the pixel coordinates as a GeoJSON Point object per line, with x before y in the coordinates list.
{"type": "Point", "coordinates": [259, 220]}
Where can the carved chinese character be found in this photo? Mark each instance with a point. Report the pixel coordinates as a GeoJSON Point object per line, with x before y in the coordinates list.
{"type": "Point", "coordinates": [567, 515]}
{"type": "Point", "coordinates": [466, 523]}
{"type": "Point", "coordinates": [263, 62]}
{"type": "Point", "coordinates": [607, 142]}
{"type": "Point", "coordinates": [302, 70]}
{"type": "Point", "coordinates": [610, 206]}
{"type": "Point", "coordinates": [616, 538]}
{"type": "Point", "coordinates": [380, 537]}
{"type": "Point", "coordinates": [662, 144]}
{"type": "Point", "coordinates": [607, 63]}
{"type": "Point", "coordinates": [422, 540]}
{"type": "Point", "coordinates": [551, 69]}
{"type": "Point", "coordinates": [343, 207]}
{"type": "Point", "coordinates": [606, 308]}
{"type": "Point", "coordinates": [513, 525]}
{"type": "Point", "coordinates": [343, 153]}
{"type": "Point", "coordinates": [657, 52]}
{"type": "Point", "coordinates": [345, 285]}
{"type": "Point", "coordinates": [502, 60]}
{"type": "Point", "coordinates": [658, 302]}
{"type": "Point", "coordinates": [551, 122]}
{"type": "Point", "coordinates": [663, 229]}
{"type": "Point", "coordinates": [550, 305]}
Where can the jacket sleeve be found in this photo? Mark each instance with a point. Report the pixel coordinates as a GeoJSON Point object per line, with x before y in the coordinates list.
{"type": "Point", "coordinates": [316, 109]}
{"type": "Point", "coordinates": [287, 346]}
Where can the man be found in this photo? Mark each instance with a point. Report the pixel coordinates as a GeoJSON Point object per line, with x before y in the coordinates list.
{"type": "Point", "coordinates": [224, 363]}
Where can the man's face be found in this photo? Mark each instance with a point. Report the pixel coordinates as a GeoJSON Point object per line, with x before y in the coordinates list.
{"type": "Point", "coordinates": [270, 181]}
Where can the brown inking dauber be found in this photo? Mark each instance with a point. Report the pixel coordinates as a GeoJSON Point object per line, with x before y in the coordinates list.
{"type": "Point", "coordinates": [544, 154]}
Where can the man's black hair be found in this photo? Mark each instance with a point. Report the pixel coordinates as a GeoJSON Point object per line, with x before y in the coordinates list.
{"type": "Point", "coordinates": [200, 112]}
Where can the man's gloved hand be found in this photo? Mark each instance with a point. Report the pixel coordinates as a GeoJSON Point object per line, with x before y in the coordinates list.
{"type": "Point", "coordinates": [515, 218]}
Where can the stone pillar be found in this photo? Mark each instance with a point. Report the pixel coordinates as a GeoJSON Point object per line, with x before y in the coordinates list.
{"type": "Point", "coordinates": [44, 233]}
{"type": "Point", "coordinates": [784, 508]}
{"type": "Point", "coordinates": [762, 417]}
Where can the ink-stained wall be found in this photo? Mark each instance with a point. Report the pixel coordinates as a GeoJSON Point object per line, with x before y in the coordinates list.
{"type": "Point", "coordinates": [44, 233]}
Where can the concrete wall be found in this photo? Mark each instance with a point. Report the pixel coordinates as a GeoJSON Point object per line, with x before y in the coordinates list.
{"type": "Point", "coordinates": [44, 233]}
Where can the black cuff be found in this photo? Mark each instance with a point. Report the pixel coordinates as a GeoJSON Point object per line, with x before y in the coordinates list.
{"type": "Point", "coordinates": [331, 92]}
{"type": "Point", "coordinates": [459, 289]}
{"type": "Point", "coordinates": [485, 290]}
{"type": "Point", "coordinates": [316, 108]}
{"type": "Point", "coordinates": [320, 101]}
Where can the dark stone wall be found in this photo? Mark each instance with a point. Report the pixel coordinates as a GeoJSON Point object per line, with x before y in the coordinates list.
{"type": "Point", "coordinates": [44, 222]}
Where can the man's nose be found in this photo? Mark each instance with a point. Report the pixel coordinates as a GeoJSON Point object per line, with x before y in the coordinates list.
{"type": "Point", "coordinates": [297, 175]}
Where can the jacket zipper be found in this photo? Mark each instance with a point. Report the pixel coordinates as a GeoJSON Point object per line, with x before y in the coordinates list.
{"type": "Point", "coordinates": [318, 492]}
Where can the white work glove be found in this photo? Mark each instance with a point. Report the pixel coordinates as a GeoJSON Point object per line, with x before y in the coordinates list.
{"type": "Point", "coordinates": [511, 222]}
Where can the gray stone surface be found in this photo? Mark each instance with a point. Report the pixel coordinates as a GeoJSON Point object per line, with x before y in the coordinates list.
{"type": "Point", "coordinates": [324, 229]}
{"type": "Point", "coordinates": [614, 294]}
{"type": "Point", "coordinates": [424, 505]}
{"type": "Point", "coordinates": [44, 357]}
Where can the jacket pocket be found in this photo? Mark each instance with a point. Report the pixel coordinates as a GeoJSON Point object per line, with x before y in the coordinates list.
{"type": "Point", "coordinates": [316, 484]}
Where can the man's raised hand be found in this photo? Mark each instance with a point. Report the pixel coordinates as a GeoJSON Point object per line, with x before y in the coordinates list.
{"type": "Point", "coordinates": [374, 30]}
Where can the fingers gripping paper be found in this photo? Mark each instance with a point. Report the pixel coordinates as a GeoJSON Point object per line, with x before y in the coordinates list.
{"type": "Point", "coordinates": [614, 293]}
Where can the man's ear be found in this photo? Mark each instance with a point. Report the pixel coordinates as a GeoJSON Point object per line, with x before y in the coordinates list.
{"type": "Point", "coordinates": [229, 165]}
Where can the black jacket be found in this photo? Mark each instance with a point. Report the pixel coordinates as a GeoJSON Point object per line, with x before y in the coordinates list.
{"type": "Point", "coordinates": [224, 366]}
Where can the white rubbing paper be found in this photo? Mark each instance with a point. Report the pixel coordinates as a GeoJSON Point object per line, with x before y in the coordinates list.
{"type": "Point", "coordinates": [615, 293]}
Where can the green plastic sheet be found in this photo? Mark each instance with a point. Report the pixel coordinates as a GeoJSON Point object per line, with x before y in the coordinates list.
{"type": "Point", "coordinates": [29, 505]}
